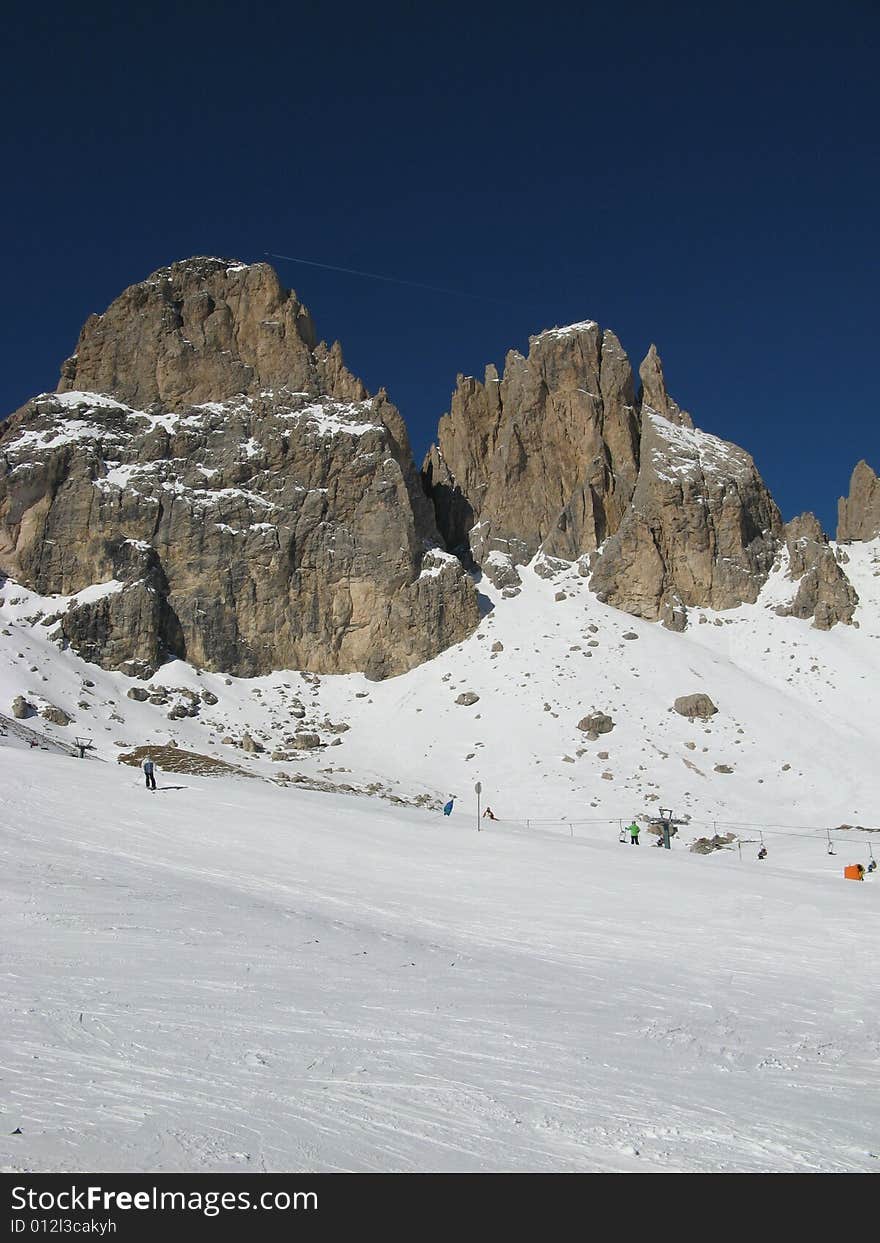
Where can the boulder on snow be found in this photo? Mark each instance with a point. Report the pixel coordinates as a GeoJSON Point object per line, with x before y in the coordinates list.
{"type": "Point", "coordinates": [140, 693]}
{"type": "Point", "coordinates": [21, 708]}
{"type": "Point", "coordinates": [692, 706]}
{"type": "Point", "coordinates": [306, 742]}
{"type": "Point", "coordinates": [706, 845]}
{"type": "Point", "coordinates": [467, 698]}
{"type": "Point", "coordinates": [596, 723]}
{"type": "Point", "coordinates": [249, 743]}
{"type": "Point", "coordinates": [549, 567]}
{"type": "Point", "coordinates": [500, 570]}
{"type": "Point", "coordinates": [57, 716]}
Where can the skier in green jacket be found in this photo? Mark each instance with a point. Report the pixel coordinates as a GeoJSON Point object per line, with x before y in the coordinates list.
{"type": "Point", "coordinates": [633, 834]}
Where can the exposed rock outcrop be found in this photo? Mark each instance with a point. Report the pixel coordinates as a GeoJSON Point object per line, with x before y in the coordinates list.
{"type": "Point", "coordinates": [702, 528]}
{"type": "Point", "coordinates": [56, 716]}
{"type": "Point", "coordinates": [306, 741]}
{"type": "Point", "coordinates": [858, 515]}
{"type": "Point", "coordinates": [244, 502]}
{"type": "Point", "coordinates": [560, 457]}
{"type": "Point", "coordinates": [545, 456]}
{"type": "Point", "coordinates": [824, 592]}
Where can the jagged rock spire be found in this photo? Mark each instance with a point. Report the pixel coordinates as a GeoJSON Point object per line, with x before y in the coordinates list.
{"type": "Point", "coordinates": [858, 515]}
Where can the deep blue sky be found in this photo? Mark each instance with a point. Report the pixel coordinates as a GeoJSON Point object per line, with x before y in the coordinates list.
{"type": "Point", "coordinates": [703, 177]}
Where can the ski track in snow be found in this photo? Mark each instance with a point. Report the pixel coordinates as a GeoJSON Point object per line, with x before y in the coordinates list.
{"type": "Point", "coordinates": [277, 979]}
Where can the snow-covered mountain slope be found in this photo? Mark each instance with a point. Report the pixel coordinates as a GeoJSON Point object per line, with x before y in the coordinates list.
{"type": "Point", "coordinates": [798, 721]}
{"type": "Point", "coordinates": [226, 975]}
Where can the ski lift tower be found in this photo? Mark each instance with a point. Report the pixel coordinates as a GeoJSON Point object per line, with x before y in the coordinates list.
{"type": "Point", "coordinates": [666, 826]}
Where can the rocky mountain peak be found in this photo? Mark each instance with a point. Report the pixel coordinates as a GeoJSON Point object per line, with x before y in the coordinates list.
{"type": "Point", "coordinates": [205, 329]}
{"type": "Point", "coordinates": [543, 457]}
{"type": "Point", "coordinates": [561, 457]}
{"type": "Point", "coordinates": [211, 483]}
{"type": "Point", "coordinates": [858, 515]}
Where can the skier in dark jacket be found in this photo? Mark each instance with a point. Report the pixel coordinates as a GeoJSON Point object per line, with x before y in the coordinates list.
{"type": "Point", "coordinates": [149, 773]}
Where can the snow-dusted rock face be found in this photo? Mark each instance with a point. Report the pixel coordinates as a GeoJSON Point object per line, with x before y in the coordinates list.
{"type": "Point", "coordinates": [544, 457]}
{"type": "Point", "coordinates": [249, 505]}
{"type": "Point", "coordinates": [702, 529]}
{"type": "Point", "coordinates": [562, 458]}
{"type": "Point", "coordinates": [824, 592]}
{"type": "Point", "coordinates": [858, 515]}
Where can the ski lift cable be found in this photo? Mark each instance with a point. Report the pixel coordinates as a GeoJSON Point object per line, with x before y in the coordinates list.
{"type": "Point", "coordinates": [779, 830]}
{"type": "Point", "coordinates": [769, 830]}
{"type": "Point", "coordinates": [394, 280]}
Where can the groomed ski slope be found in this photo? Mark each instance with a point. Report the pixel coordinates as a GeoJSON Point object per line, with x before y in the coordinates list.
{"type": "Point", "coordinates": [230, 976]}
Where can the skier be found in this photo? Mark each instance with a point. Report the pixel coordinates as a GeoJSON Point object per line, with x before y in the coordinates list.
{"type": "Point", "coordinates": [447, 810]}
{"type": "Point", "coordinates": [762, 853]}
{"type": "Point", "coordinates": [149, 773]}
{"type": "Point", "coordinates": [872, 865]}
{"type": "Point", "coordinates": [633, 831]}
{"type": "Point", "coordinates": [488, 814]}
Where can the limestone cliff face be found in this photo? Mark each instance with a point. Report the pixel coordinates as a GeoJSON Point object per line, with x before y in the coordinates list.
{"type": "Point", "coordinates": [701, 530]}
{"type": "Point", "coordinates": [544, 457]}
{"type": "Point", "coordinates": [204, 330]}
{"type": "Point", "coordinates": [824, 592]}
{"type": "Point", "coordinates": [248, 506]}
{"type": "Point", "coordinates": [858, 515]}
{"type": "Point", "coordinates": [564, 457]}
{"type": "Point", "coordinates": [211, 482]}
